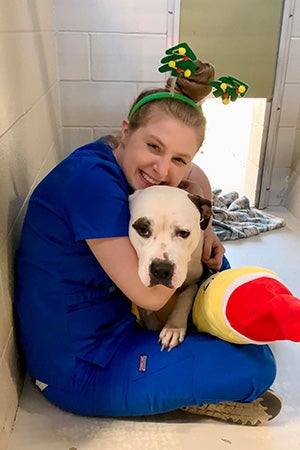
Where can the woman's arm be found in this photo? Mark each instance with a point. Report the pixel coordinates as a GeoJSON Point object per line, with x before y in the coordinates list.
{"type": "Point", "coordinates": [196, 182]}
{"type": "Point", "coordinates": [119, 260]}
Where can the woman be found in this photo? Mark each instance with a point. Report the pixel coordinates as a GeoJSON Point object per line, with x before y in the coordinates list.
{"type": "Point", "coordinates": [77, 274]}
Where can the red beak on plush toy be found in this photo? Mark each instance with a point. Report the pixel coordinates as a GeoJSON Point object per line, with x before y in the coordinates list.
{"type": "Point", "coordinates": [263, 309]}
{"type": "Point", "coordinates": [247, 305]}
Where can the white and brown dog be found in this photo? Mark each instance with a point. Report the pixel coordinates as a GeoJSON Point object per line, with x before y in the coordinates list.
{"type": "Point", "coordinates": [166, 231]}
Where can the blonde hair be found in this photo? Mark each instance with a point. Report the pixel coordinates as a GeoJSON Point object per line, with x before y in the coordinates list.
{"type": "Point", "coordinates": [196, 88]}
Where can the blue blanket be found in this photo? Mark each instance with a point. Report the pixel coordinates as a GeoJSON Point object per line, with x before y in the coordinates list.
{"type": "Point", "coordinates": [234, 218]}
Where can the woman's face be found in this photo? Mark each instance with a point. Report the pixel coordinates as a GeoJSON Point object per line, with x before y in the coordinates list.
{"type": "Point", "coordinates": [160, 152]}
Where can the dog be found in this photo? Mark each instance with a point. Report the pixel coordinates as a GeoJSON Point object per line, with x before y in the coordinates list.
{"type": "Point", "coordinates": [166, 230]}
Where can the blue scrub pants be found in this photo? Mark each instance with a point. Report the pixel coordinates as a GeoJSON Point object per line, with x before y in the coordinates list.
{"type": "Point", "coordinates": [141, 379]}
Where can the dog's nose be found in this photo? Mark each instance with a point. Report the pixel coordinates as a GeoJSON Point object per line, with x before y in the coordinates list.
{"type": "Point", "coordinates": [161, 272]}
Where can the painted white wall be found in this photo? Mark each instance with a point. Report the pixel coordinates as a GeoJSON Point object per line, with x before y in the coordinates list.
{"type": "Point", "coordinates": [293, 135]}
{"type": "Point", "coordinates": [29, 148]}
{"type": "Point", "coordinates": [285, 181]}
{"type": "Point", "coordinates": [231, 153]}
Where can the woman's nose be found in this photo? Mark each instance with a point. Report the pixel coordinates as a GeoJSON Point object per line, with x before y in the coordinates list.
{"type": "Point", "coordinates": [162, 167]}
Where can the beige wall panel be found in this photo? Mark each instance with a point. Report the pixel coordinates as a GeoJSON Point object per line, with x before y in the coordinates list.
{"type": "Point", "coordinates": [5, 324]}
{"type": "Point", "coordinates": [24, 15]}
{"type": "Point", "coordinates": [23, 149]}
{"type": "Point", "coordinates": [239, 37]}
{"type": "Point", "coordinates": [29, 60]}
{"type": "Point", "coordinates": [10, 385]}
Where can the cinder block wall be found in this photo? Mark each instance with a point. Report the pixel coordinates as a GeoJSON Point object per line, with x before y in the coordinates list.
{"type": "Point", "coordinates": [108, 52]}
{"type": "Point", "coordinates": [285, 183]}
{"type": "Point", "coordinates": [29, 147]}
{"type": "Point", "coordinates": [86, 38]}
{"type": "Point", "coordinates": [293, 79]}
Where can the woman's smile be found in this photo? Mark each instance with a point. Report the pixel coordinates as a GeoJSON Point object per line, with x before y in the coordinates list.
{"type": "Point", "coordinates": [149, 180]}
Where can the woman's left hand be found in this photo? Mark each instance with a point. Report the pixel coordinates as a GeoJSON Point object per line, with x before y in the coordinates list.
{"type": "Point", "coordinates": [213, 250]}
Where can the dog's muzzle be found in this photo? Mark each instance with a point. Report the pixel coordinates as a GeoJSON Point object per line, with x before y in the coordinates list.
{"type": "Point", "coordinates": [161, 272]}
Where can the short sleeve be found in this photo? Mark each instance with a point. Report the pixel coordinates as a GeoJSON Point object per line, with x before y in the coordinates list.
{"type": "Point", "coordinates": [96, 202]}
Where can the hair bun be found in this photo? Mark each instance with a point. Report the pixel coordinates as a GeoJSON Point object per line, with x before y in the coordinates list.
{"type": "Point", "coordinates": [197, 86]}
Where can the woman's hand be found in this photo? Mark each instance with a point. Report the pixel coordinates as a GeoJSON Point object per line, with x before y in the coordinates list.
{"type": "Point", "coordinates": [213, 250]}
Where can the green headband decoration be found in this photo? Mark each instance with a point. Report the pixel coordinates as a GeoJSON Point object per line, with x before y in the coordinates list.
{"type": "Point", "coordinates": [180, 62]}
{"type": "Point", "coordinates": [159, 95]}
{"type": "Point", "coordinates": [229, 88]}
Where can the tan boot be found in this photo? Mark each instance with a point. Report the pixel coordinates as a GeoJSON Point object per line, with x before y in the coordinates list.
{"type": "Point", "coordinates": [258, 412]}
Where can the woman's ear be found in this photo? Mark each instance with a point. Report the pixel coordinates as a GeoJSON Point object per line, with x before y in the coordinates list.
{"type": "Point", "coordinates": [124, 128]}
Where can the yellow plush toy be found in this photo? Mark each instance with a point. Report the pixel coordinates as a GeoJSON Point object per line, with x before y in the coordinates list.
{"type": "Point", "coordinates": [247, 305]}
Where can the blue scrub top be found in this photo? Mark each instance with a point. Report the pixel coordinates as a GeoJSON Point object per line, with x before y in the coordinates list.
{"type": "Point", "coordinates": [67, 307]}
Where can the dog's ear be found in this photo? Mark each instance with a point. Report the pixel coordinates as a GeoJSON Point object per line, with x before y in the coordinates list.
{"type": "Point", "coordinates": [204, 207]}
{"type": "Point", "coordinates": [134, 195]}
{"type": "Point", "coordinates": [132, 198]}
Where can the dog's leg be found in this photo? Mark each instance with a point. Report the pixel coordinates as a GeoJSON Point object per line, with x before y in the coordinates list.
{"type": "Point", "coordinates": [174, 330]}
{"type": "Point", "coordinates": [149, 319]}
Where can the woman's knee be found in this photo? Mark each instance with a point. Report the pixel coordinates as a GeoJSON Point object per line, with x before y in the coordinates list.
{"type": "Point", "coordinates": [261, 370]}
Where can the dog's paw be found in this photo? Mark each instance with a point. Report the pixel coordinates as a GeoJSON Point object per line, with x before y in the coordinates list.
{"type": "Point", "coordinates": [171, 337]}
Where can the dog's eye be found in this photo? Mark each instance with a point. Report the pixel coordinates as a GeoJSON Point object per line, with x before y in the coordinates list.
{"type": "Point", "coordinates": [184, 234]}
{"type": "Point", "coordinates": [143, 227]}
{"type": "Point", "coordinates": [144, 232]}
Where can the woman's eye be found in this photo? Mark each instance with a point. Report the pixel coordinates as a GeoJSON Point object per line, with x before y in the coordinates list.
{"type": "Point", "coordinates": [154, 147]}
{"type": "Point", "coordinates": [180, 161]}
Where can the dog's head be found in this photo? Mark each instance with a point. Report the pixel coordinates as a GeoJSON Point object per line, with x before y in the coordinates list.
{"type": "Point", "coordinates": [165, 229]}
